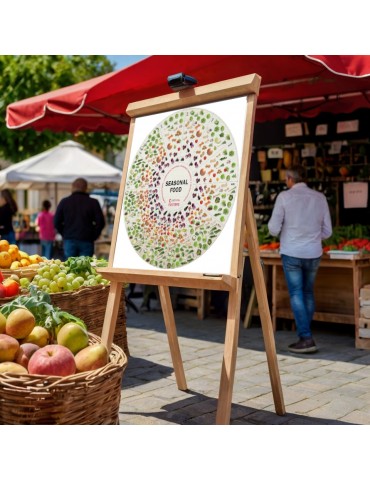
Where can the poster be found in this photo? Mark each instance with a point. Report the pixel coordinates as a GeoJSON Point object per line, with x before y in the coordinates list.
{"type": "Point", "coordinates": [178, 210]}
{"type": "Point", "coordinates": [355, 194]}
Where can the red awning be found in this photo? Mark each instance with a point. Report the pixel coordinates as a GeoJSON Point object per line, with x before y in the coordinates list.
{"type": "Point", "coordinates": [296, 85]}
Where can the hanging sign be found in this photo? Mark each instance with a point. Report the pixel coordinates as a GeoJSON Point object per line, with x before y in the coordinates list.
{"type": "Point", "coordinates": [348, 126]}
{"type": "Point", "coordinates": [275, 153]}
{"type": "Point", "coordinates": [355, 194]}
{"type": "Point", "coordinates": [321, 129]}
{"type": "Point", "coordinates": [293, 130]}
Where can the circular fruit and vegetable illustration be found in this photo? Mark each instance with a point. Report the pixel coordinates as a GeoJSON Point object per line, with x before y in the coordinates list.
{"type": "Point", "coordinates": [180, 188]}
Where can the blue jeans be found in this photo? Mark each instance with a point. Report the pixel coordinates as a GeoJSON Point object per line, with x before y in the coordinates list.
{"type": "Point", "coordinates": [300, 274]}
{"type": "Point", "coordinates": [77, 248]}
{"type": "Point", "coordinates": [9, 236]}
{"type": "Point", "coordinates": [47, 248]}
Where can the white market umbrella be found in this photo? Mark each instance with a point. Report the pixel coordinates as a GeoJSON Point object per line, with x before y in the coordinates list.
{"type": "Point", "coordinates": [60, 165]}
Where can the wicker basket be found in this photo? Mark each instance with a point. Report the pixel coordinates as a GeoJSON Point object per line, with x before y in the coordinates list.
{"type": "Point", "coordinates": [89, 304]}
{"type": "Point", "coordinates": [26, 272]}
{"type": "Point", "coordinates": [88, 398]}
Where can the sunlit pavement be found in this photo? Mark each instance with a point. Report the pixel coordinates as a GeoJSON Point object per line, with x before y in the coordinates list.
{"type": "Point", "coordinates": [331, 386]}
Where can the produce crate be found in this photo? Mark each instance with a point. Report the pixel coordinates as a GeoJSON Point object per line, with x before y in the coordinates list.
{"type": "Point", "coordinates": [89, 304]}
{"type": "Point", "coordinates": [87, 398]}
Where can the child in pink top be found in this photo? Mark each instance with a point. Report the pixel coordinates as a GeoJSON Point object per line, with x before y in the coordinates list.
{"type": "Point", "coordinates": [45, 223]}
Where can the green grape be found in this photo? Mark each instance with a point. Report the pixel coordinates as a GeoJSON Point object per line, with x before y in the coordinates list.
{"type": "Point", "coordinates": [61, 282]}
{"type": "Point", "coordinates": [68, 287]}
{"type": "Point", "coordinates": [24, 282]}
{"type": "Point", "coordinates": [54, 288]}
{"type": "Point", "coordinates": [47, 275]}
{"type": "Point", "coordinates": [44, 282]}
{"type": "Point", "coordinates": [80, 280]}
{"type": "Point", "coordinates": [76, 284]}
{"type": "Point", "coordinates": [54, 271]}
{"type": "Point", "coordinates": [70, 277]}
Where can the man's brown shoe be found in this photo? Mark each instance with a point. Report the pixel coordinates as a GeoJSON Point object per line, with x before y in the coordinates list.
{"type": "Point", "coordinates": [306, 345]}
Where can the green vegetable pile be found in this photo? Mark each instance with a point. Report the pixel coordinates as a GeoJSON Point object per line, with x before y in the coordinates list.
{"type": "Point", "coordinates": [46, 314]}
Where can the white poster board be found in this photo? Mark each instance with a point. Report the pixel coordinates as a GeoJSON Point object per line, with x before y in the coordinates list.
{"type": "Point", "coordinates": [200, 174]}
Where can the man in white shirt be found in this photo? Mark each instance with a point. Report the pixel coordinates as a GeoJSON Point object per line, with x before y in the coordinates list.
{"type": "Point", "coordinates": [301, 217]}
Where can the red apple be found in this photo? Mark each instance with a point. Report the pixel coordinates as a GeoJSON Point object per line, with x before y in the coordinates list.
{"type": "Point", "coordinates": [91, 357]}
{"type": "Point", "coordinates": [52, 360]}
{"type": "Point", "coordinates": [25, 352]}
{"type": "Point", "coordinates": [11, 287]}
{"type": "Point", "coordinates": [8, 347]}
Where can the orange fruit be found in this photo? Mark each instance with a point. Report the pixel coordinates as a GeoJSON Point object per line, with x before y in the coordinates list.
{"type": "Point", "coordinates": [5, 260]}
{"type": "Point", "coordinates": [25, 262]}
{"type": "Point", "coordinates": [4, 245]}
{"type": "Point", "coordinates": [14, 253]}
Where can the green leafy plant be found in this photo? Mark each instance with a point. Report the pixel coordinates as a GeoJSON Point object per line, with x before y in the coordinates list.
{"type": "Point", "coordinates": [46, 314]}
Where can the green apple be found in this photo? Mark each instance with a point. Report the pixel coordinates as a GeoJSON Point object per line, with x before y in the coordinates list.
{"type": "Point", "coordinates": [39, 336]}
{"type": "Point", "coordinates": [73, 336]}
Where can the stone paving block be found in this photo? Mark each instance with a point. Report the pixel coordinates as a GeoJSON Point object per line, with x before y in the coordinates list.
{"type": "Point", "coordinates": [338, 408]}
{"type": "Point", "coordinates": [357, 417]}
{"type": "Point", "coordinates": [306, 405]}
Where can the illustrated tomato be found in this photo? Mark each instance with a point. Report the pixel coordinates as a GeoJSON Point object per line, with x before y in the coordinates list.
{"type": "Point", "coordinates": [11, 287]}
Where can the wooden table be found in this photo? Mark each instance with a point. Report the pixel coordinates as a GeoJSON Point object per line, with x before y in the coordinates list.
{"type": "Point", "coordinates": [337, 291]}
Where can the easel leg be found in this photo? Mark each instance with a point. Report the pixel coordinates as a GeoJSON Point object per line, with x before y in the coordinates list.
{"type": "Point", "coordinates": [251, 305]}
{"type": "Point", "coordinates": [264, 311]}
{"type": "Point", "coordinates": [111, 313]}
{"type": "Point", "coordinates": [229, 360]}
{"type": "Point", "coordinates": [169, 320]}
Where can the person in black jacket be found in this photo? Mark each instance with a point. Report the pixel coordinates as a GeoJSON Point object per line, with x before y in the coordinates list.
{"type": "Point", "coordinates": [8, 208]}
{"type": "Point", "coordinates": [80, 220]}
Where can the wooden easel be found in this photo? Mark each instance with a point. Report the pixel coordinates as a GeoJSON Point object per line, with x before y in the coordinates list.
{"type": "Point", "coordinates": [238, 87]}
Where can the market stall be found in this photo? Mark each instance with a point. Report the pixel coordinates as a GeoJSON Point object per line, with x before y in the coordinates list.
{"type": "Point", "coordinates": [337, 290]}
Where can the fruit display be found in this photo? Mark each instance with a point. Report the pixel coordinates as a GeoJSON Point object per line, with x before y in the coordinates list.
{"type": "Point", "coordinates": [14, 259]}
{"type": "Point", "coordinates": [39, 339]}
{"type": "Point", "coordinates": [55, 276]}
{"type": "Point", "coordinates": [349, 238]}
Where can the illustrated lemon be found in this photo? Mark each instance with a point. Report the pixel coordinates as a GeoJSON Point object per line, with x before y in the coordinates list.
{"type": "Point", "coordinates": [5, 260]}
{"type": "Point", "coordinates": [4, 245]}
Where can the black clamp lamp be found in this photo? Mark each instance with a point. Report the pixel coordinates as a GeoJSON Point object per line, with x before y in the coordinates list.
{"type": "Point", "coordinates": [180, 81]}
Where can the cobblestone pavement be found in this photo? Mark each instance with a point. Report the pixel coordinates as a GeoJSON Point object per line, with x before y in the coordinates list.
{"type": "Point", "coordinates": [330, 387]}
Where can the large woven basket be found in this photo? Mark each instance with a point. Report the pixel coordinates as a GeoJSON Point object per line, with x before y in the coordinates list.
{"type": "Point", "coordinates": [26, 272]}
{"type": "Point", "coordinates": [89, 304]}
{"type": "Point", "coordinates": [88, 398]}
